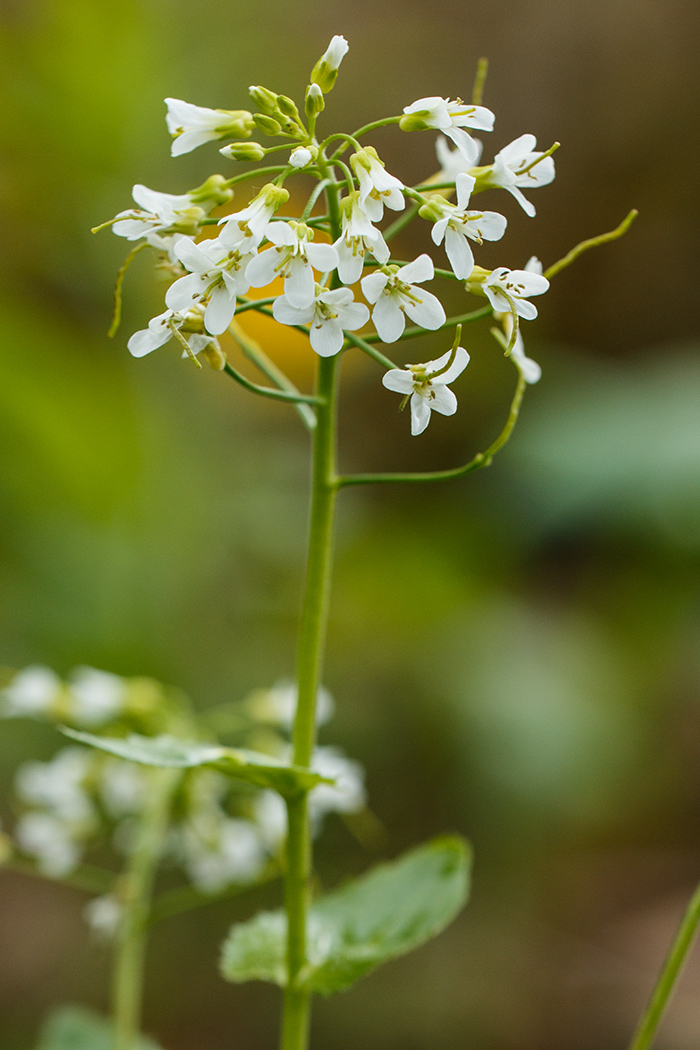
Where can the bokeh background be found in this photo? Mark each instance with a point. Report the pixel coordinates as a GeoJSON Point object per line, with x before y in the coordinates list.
{"type": "Point", "coordinates": [515, 656]}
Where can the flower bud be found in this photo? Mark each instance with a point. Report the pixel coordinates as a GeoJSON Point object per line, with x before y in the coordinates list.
{"type": "Point", "coordinates": [265, 100]}
{"type": "Point", "coordinates": [302, 156]}
{"type": "Point", "coordinates": [432, 209]}
{"type": "Point", "coordinates": [415, 121]}
{"type": "Point", "coordinates": [239, 124]}
{"type": "Point", "coordinates": [243, 151]}
{"type": "Point", "coordinates": [286, 106]}
{"type": "Point", "coordinates": [476, 280]}
{"type": "Point", "coordinates": [214, 189]}
{"type": "Point", "coordinates": [267, 125]}
{"type": "Point", "coordinates": [315, 101]}
{"type": "Point", "coordinates": [214, 356]}
{"type": "Point", "coordinates": [325, 71]}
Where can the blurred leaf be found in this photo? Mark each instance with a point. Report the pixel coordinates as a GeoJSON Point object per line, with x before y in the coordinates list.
{"type": "Point", "coordinates": [73, 1028]}
{"type": "Point", "coordinates": [383, 915]}
{"type": "Point", "coordinates": [251, 766]}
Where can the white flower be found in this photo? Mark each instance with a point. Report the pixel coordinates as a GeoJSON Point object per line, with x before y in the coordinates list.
{"type": "Point", "coordinates": [97, 696]}
{"type": "Point", "coordinates": [270, 814]}
{"type": "Point", "coordinates": [507, 290]}
{"type": "Point", "coordinates": [358, 237]}
{"type": "Point", "coordinates": [328, 315]}
{"type": "Point", "coordinates": [511, 160]}
{"type": "Point", "coordinates": [50, 841]}
{"type": "Point", "coordinates": [160, 331]}
{"type": "Point", "coordinates": [456, 225]}
{"type": "Point", "coordinates": [158, 212]}
{"type": "Point", "coordinates": [104, 914]}
{"type": "Point", "coordinates": [31, 692]}
{"type": "Point", "coordinates": [451, 118]}
{"type": "Point", "coordinates": [346, 795]}
{"type": "Point", "coordinates": [531, 371]}
{"type": "Point", "coordinates": [217, 275]}
{"type": "Point", "coordinates": [453, 161]}
{"type": "Point", "coordinates": [191, 126]}
{"type": "Point", "coordinates": [394, 297]}
{"type": "Point", "coordinates": [245, 229]}
{"type": "Point", "coordinates": [218, 850]}
{"type": "Point", "coordinates": [377, 186]}
{"type": "Point", "coordinates": [428, 392]}
{"type": "Point", "coordinates": [122, 787]}
{"type": "Point", "coordinates": [278, 706]}
{"type": "Point", "coordinates": [292, 257]}
{"type": "Point", "coordinates": [58, 785]}
{"type": "Point", "coordinates": [300, 157]}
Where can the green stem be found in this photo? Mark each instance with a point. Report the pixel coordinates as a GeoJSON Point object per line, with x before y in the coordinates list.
{"type": "Point", "coordinates": [670, 972]}
{"type": "Point", "coordinates": [592, 242]}
{"type": "Point", "coordinates": [136, 891]}
{"type": "Point", "coordinates": [312, 636]}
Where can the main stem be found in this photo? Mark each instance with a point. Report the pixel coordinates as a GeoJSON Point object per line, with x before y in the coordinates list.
{"type": "Point", "coordinates": [295, 1027]}
{"type": "Point", "coordinates": [137, 888]}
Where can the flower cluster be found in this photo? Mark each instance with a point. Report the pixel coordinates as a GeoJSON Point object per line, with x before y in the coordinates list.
{"type": "Point", "coordinates": [221, 835]}
{"type": "Point", "coordinates": [321, 258]}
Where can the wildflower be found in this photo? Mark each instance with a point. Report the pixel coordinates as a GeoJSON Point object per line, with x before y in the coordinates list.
{"type": "Point", "coordinates": [377, 186]}
{"type": "Point", "coordinates": [358, 237]}
{"type": "Point", "coordinates": [191, 126]}
{"type": "Point", "coordinates": [346, 794]}
{"type": "Point", "coordinates": [531, 371]}
{"type": "Point", "coordinates": [103, 915]}
{"type": "Point", "coordinates": [328, 314]}
{"type": "Point", "coordinates": [292, 257]}
{"type": "Point", "coordinates": [453, 161]}
{"type": "Point", "coordinates": [218, 850]}
{"type": "Point", "coordinates": [163, 328]}
{"type": "Point", "coordinates": [301, 157]}
{"type": "Point", "coordinates": [450, 117]}
{"type": "Point", "coordinates": [426, 384]}
{"type": "Point", "coordinates": [32, 692]}
{"type": "Point", "coordinates": [393, 297]}
{"type": "Point", "coordinates": [97, 696]}
{"type": "Point", "coordinates": [507, 289]}
{"type": "Point", "coordinates": [245, 229]}
{"type": "Point", "coordinates": [50, 841]}
{"type": "Point", "coordinates": [517, 165]}
{"type": "Point", "coordinates": [277, 706]}
{"type": "Point", "coordinates": [455, 224]}
{"type": "Point", "coordinates": [217, 275]}
{"type": "Point", "coordinates": [58, 785]}
{"type": "Point", "coordinates": [158, 213]}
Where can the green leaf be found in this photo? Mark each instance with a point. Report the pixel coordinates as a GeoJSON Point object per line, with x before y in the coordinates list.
{"type": "Point", "coordinates": [251, 766]}
{"type": "Point", "coordinates": [384, 914]}
{"type": "Point", "coordinates": [74, 1028]}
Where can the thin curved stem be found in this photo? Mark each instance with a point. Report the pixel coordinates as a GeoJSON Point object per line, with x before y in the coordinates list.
{"type": "Point", "coordinates": [668, 978]}
{"type": "Point", "coordinates": [268, 391]}
{"type": "Point", "coordinates": [592, 242]}
{"type": "Point", "coordinates": [482, 459]}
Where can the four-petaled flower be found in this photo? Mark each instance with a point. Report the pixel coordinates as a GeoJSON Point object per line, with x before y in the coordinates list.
{"type": "Point", "coordinates": [456, 224]}
{"type": "Point", "coordinates": [328, 314]}
{"type": "Point", "coordinates": [450, 117]}
{"type": "Point", "coordinates": [162, 329]}
{"type": "Point", "coordinates": [246, 228]}
{"type": "Point", "coordinates": [191, 126]}
{"type": "Point", "coordinates": [426, 384]}
{"type": "Point", "coordinates": [531, 371]}
{"type": "Point", "coordinates": [394, 296]}
{"type": "Point", "coordinates": [507, 291]}
{"type": "Point", "coordinates": [453, 161]}
{"type": "Point", "coordinates": [292, 257]}
{"type": "Point", "coordinates": [509, 172]}
{"type": "Point", "coordinates": [377, 186]}
{"type": "Point", "coordinates": [358, 236]}
{"type": "Point", "coordinates": [158, 213]}
{"type": "Point", "coordinates": [217, 274]}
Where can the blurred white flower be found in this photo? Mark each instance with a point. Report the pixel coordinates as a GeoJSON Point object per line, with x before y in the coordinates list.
{"type": "Point", "coordinates": [50, 841]}
{"type": "Point", "coordinates": [219, 850]}
{"type": "Point", "coordinates": [453, 161]}
{"type": "Point", "coordinates": [347, 794]}
{"type": "Point", "coordinates": [278, 705]}
{"type": "Point", "coordinates": [58, 785]}
{"type": "Point", "coordinates": [103, 915]}
{"type": "Point", "coordinates": [32, 691]}
{"type": "Point", "coordinates": [122, 787]}
{"type": "Point", "coordinates": [97, 696]}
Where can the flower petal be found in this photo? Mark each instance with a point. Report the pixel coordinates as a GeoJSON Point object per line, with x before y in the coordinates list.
{"type": "Point", "coordinates": [219, 313]}
{"type": "Point", "coordinates": [388, 318]}
{"type": "Point", "coordinates": [420, 414]}
{"type": "Point", "coordinates": [428, 312]}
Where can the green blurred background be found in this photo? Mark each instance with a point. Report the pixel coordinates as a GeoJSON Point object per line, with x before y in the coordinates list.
{"type": "Point", "coordinates": [514, 656]}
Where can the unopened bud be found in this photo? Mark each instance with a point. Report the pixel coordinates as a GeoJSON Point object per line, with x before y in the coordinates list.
{"type": "Point", "coordinates": [433, 208]}
{"type": "Point", "coordinates": [287, 106]}
{"type": "Point", "coordinates": [214, 356]}
{"type": "Point", "coordinates": [303, 156]}
{"type": "Point", "coordinates": [476, 280]}
{"type": "Point", "coordinates": [415, 121]}
{"type": "Point", "coordinates": [243, 151]}
{"type": "Point", "coordinates": [264, 99]}
{"type": "Point", "coordinates": [238, 125]}
{"type": "Point", "coordinates": [267, 125]}
{"type": "Point", "coordinates": [315, 101]}
{"type": "Point", "coordinates": [214, 190]}
{"type": "Point", "coordinates": [325, 71]}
